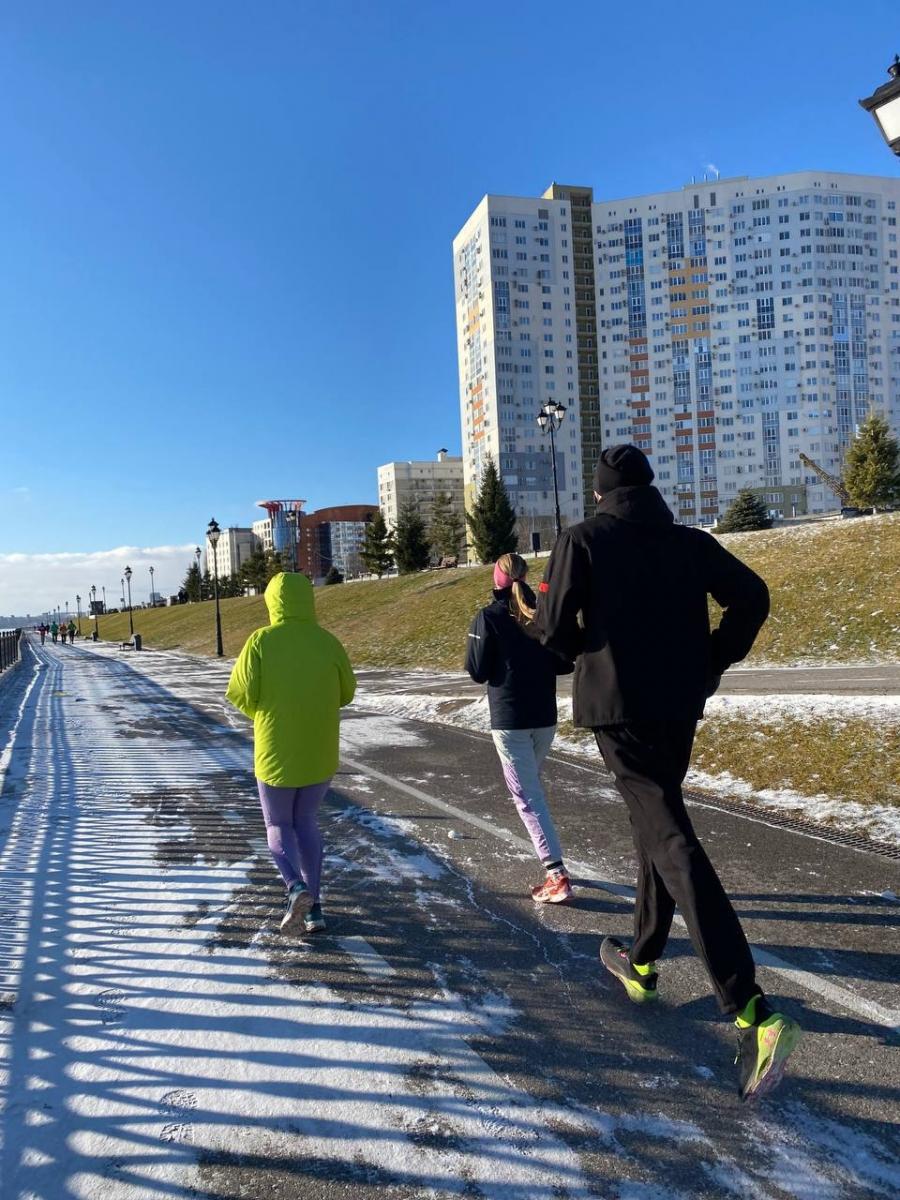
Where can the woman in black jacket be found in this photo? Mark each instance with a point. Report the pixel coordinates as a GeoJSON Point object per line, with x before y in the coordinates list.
{"type": "Point", "coordinates": [521, 678]}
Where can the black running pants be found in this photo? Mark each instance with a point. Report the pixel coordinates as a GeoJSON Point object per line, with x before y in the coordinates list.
{"type": "Point", "coordinates": [649, 760]}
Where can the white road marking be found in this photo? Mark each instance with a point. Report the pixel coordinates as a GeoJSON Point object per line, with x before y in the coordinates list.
{"type": "Point", "coordinates": [366, 957]}
{"type": "Point", "coordinates": [869, 1010]}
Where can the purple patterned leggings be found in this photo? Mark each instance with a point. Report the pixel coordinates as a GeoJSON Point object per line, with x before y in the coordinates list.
{"type": "Point", "coordinates": [292, 831]}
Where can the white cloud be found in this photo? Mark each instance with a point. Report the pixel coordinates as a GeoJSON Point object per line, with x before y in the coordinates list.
{"type": "Point", "coordinates": [711, 169]}
{"type": "Point", "coordinates": [36, 583]}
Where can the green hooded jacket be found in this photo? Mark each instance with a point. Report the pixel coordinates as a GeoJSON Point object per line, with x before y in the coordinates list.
{"type": "Point", "coordinates": [292, 678]}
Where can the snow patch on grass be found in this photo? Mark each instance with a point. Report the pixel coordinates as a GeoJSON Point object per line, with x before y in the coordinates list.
{"type": "Point", "coordinates": [877, 820]}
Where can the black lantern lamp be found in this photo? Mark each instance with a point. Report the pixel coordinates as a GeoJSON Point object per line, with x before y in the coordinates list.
{"type": "Point", "coordinates": [884, 105]}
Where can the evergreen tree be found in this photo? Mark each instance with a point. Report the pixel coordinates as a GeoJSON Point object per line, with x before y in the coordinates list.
{"type": "Point", "coordinates": [231, 586]}
{"type": "Point", "coordinates": [274, 564]}
{"type": "Point", "coordinates": [446, 531]}
{"type": "Point", "coordinates": [206, 585]}
{"type": "Point", "coordinates": [333, 576]}
{"type": "Point", "coordinates": [492, 519]}
{"type": "Point", "coordinates": [747, 512]}
{"type": "Point", "coordinates": [191, 583]}
{"type": "Point", "coordinates": [254, 571]}
{"type": "Point", "coordinates": [411, 549]}
{"type": "Point", "coordinates": [872, 465]}
{"type": "Point", "coordinates": [378, 546]}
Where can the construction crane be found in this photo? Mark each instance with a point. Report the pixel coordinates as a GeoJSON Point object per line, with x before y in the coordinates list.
{"type": "Point", "coordinates": [834, 482]}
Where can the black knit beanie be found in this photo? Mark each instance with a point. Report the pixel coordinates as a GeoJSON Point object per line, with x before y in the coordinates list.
{"type": "Point", "coordinates": [621, 466]}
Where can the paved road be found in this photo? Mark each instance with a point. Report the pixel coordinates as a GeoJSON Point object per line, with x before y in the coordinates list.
{"type": "Point", "coordinates": [881, 680]}
{"type": "Point", "coordinates": [444, 1037]}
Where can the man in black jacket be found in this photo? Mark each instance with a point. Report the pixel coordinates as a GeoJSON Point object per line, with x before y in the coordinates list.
{"type": "Point", "coordinates": [626, 592]}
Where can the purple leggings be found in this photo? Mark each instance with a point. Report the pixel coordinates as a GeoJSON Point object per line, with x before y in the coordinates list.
{"type": "Point", "coordinates": [292, 831]}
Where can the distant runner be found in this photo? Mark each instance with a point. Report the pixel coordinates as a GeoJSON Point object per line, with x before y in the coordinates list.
{"type": "Point", "coordinates": [72, 630]}
{"type": "Point", "coordinates": [54, 631]}
{"type": "Point", "coordinates": [293, 678]}
{"type": "Point", "coordinates": [626, 591]}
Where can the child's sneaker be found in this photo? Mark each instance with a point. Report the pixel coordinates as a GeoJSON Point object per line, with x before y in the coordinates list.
{"type": "Point", "coordinates": [297, 905]}
{"type": "Point", "coordinates": [555, 889]}
{"type": "Point", "coordinates": [314, 922]}
{"type": "Point", "coordinates": [614, 956]}
{"type": "Point", "coordinates": [763, 1050]}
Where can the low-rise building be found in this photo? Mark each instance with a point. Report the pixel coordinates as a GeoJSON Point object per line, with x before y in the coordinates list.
{"type": "Point", "coordinates": [420, 482]}
{"type": "Point", "coordinates": [333, 537]}
{"type": "Point", "coordinates": [235, 546]}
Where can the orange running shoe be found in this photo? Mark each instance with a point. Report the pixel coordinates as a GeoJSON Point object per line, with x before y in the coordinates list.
{"type": "Point", "coordinates": [555, 889]}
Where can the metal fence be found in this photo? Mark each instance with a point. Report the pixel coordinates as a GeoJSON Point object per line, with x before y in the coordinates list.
{"type": "Point", "coordinates": [10, 640]}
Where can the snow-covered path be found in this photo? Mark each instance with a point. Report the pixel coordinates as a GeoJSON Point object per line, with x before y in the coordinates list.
{"type": "Point", "coordinates": [138, 1040]}
{"type": "Point", "coordinates": [160, 1040]}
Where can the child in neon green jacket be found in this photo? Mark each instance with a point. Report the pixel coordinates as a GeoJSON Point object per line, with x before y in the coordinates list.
{"type": "Point", "coordinates": [293, 677]}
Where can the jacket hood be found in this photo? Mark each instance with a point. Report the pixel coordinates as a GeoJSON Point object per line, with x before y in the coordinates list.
{"type": "Point", "coordinates": [290, 596]}
{"type": "Point", "coordinates": [640, 505]}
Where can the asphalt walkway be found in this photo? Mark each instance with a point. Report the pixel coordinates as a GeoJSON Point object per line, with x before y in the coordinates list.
{"type": "Point", "coordinates": [444, 1037]}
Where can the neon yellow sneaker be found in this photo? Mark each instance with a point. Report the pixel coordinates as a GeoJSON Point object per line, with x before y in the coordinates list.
{"type": "Point", "coordinates": [763, 1050]}
{"type": "Point", "coordinates": [614, 956]}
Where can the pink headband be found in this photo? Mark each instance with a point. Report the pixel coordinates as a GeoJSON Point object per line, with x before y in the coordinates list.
{"type": "Point", "coordinates": [501, 579]}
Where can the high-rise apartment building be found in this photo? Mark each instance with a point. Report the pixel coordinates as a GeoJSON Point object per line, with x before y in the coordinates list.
{"type": "Point", "coordinates": [725, 328]}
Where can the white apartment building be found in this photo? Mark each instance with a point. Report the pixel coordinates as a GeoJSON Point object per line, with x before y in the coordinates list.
{"type": "Point", "coordinates": [725, 328]}
{"type": "Point", "coordinates": [419, 482]}
{"type": "Point", "coordinates": [264, 531]}
{"type": "Point", "coordinates": [518, 345]}
{"type": "Point", "coordinates": [234, 547]}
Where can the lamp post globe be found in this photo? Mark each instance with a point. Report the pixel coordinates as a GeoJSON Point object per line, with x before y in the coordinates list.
{"type": "Point", "coordinates": [884, 105]}
{"type": "Point", "coordinates": [213, 532]}
{"type": "Point", "coordinates": [128, 574]}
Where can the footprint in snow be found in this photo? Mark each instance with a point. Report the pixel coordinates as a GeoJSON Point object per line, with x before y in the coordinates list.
{"type": "Point", "coordinates": [179, 1103]}
{"type": "Point", "coordinates": [110, 1004]}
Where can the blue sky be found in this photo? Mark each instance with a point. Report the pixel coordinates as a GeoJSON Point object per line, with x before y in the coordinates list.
{"type": "Point", "coordinates": [225, 228]}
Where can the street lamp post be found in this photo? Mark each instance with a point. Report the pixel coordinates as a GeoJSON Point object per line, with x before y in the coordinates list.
{"type": "Point", "coordinates": [198, 554]}
{"type": "Point", "coordinates": [152, 593]}
{"type": "Point", "coordinates": [551, 417]}
{"type": "Point", "coordinates": [130, 617]}
{"type": "Point", "coordinates": [103, 590]}
{"type": "Point", "coordinates": [94, 607]}
{"type": "Point", "coordinates": [78, 602]}
{"type": "Point", "coordinates": [884, 105]}
{"type": "Point", "coordinates": [213, 533]}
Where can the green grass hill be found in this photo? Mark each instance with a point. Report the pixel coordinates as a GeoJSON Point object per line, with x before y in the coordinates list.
{"type": "Point", "coordinates": [834, 589]}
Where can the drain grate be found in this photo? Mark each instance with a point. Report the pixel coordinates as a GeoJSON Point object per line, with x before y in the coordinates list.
{"type": "Point", "coordinates": [840, 837]}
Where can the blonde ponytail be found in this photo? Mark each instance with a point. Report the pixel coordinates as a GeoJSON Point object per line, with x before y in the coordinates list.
{"type": "Point", "coordinates": [515, 566]}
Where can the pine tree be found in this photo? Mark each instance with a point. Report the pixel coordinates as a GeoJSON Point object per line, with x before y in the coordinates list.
{"type": "Point", "coordinates": [191, 583]}
{"type": "Point", "coordinates": [206, 586]}
{"type": "Point", "coordinates": [747, 512]}
{"type": "Point", "coordinates": [333, 576]}
{"type": "Point", "coordinates": [492, 519]}
{"type": "Point", "coordinates": [872, 465]}
{"type": "Point", "coordinates": [446, 531]}
{"type": "Point", "coordinates": [411, 549]}
{"type": "Point", "coordinates": [274, 564]}
{"type": "Point", "coordinates": [254, 571]}
{"type": "Point", "coordinates": [378, 546]}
